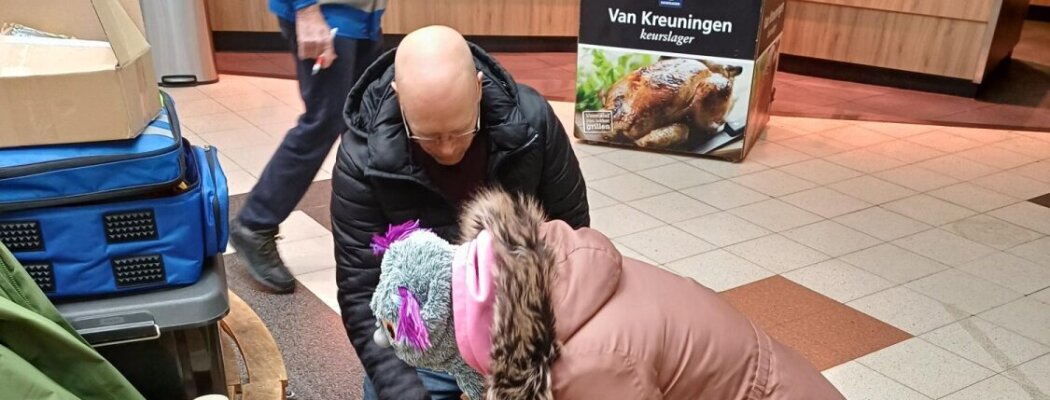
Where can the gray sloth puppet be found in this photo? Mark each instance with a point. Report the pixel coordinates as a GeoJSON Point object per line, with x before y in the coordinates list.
{"type": "Point", "coordinates": [413, 304]}
{"type": "Point", "coordinates": [476, 310]}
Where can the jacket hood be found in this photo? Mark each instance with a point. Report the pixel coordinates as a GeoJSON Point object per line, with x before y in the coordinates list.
{"type": "Point", "coordinates": [373, 114]}
{"type": "Point", "coordinates": [544, 269]}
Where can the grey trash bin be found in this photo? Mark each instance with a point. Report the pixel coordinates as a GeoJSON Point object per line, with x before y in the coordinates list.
{"type": "Point", "coordinates": [183, 53]}
{"type": "Point", "coordinates": [166, 342]}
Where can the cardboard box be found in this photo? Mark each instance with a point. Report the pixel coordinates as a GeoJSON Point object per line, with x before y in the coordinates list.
{"type": "Point", "coordinates": [683, 76]}
{"type": "Point", "coordinates": [97, 88]}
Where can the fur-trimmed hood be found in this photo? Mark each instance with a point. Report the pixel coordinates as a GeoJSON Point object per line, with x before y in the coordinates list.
{"type": "Point", "coordinates": [535, 282]}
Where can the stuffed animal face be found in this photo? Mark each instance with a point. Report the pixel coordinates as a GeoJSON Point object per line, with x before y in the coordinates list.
{"type": "Point", "coordinates": [413, 301]}
{"type": "Point", "coordinates": [413, 304]}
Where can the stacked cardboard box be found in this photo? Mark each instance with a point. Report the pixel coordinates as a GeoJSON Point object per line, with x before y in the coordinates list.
{"type": "Point", "coordinates": [97, 86]}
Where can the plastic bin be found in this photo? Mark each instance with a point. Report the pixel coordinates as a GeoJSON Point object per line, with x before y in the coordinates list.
{"type": "Point", "coordinates": [165, 342]}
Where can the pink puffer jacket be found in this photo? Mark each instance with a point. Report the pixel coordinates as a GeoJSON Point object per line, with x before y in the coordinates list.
{"type": "Point", "coordinates": [622, 329]}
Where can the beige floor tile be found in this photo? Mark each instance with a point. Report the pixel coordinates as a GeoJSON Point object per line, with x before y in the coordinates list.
{"type": "Point", "coordinates": [832, 238]}
{"type": "Point", "coordinates": [838, 280]}
{"type": "Point", "coordinates": [774, 182]}
{"type": "Point", "coordinates": [881, 223]}
{"type": "Point", "coordinates": [987, 344]}
{"type": "Point", "coordinates": [776, 215]}
{"type": "Point", "coordinates": [929, 209]}
{"type": "Point", "coordinates": [628, 187]}
{"type": "Point", "coordinates": [673, 207]}
{"type": "Point", "coordinates": [725, 195]}
{"type": "Point", "coordinates": [931, 370]}
{"type": "Point", "coordinates": [825, 202]}
{"type": "Point", "coordinates": [894, 263]}
{"type": "Point", "coordinates": [720, 270]}
{"type": "Point", "coordinates": [857, 382]}
{"type": "Point", "coordinates": [967, 292]}
{"type": "Point", "coordinates": [722, 229]}
{"type": "Point", "coordinates": [679, 176]}
{"type": "Point", "coordinates": [871, 189]}
{"type": "Point", "coordinates": [974, 197]}
{"type": "Point", "coordinates": [777, 253]}
{"type": "Point", "coordinates": [622, 220]}
{"type": "Point", "coordinates": [665, 244]}
{"type": "Point", "coordinates": [820, 171]}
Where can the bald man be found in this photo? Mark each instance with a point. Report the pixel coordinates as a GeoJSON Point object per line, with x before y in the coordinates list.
{"type": "Point", "coordinates": [431, 122]}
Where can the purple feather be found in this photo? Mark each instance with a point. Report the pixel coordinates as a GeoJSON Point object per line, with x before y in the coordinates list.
{"type": "Point", "coordinates": [410, 326]}
{"type": "Point", "coordinates": [381, 243]}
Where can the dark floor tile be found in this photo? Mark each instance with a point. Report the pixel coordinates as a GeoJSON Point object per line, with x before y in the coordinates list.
{"type": "Point", "coordinates": [321, 214]}
{"type": "Point", "coordinates": [823, 330]}
{"type": "Point", "coordinates": [821, 357]}
{"type": "Point", "coordinates": [319, 194]}
{"type": "Point", "coordinates": [775, 301]}
{"type": "Point", "coordinates": [1043, 200]}
{"type": "Point", "coordinates": [839, 335]}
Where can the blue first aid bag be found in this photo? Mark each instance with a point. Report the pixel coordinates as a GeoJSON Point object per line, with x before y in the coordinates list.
{"type": "Point", "coordinates": [162, 211]}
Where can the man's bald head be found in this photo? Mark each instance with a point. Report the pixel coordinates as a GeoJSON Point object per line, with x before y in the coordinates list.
{"type": "Point", "coordinates": [431, 52]}
{"type": "Point", "coordinates": [438, 86]}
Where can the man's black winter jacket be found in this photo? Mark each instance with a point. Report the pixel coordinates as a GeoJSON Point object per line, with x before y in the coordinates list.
{"type": "Point", "coordinates": [376, 183]}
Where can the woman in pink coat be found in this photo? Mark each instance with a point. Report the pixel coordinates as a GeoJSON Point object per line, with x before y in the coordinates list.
{"type": "Point", "coordinates": [543, 311]}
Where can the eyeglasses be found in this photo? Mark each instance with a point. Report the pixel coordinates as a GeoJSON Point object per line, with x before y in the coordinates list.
{"type": "Point", "coordinates": [448, 138]}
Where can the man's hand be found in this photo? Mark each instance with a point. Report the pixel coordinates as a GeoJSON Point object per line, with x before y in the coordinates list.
{"type": "Point", "coordinates": [314, 36]}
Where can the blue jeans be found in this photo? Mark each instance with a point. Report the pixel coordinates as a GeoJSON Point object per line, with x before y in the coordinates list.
{"type": "Point", "coordinates": [292, 169]}
{"type": "Point", "coordinates": [440, 386]}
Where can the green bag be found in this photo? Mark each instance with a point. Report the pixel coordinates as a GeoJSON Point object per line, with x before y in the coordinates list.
{"type": "Point", "coordinates": [41, 355]}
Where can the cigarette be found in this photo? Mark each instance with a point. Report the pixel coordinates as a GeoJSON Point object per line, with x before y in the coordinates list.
{"type": "Point", "coordinates": [320, 59]}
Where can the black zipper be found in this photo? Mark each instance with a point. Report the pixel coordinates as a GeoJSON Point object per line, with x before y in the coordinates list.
{"type": "Point", "coordinates": [30, 169]}
{"type": "Point", "coordinates": [92, 197]}
{"type": "Point", "coordinates": [216, 208]}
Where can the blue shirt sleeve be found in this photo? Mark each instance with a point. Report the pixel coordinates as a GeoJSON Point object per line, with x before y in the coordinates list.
{"type": "Point", "coordinates": [301, 4]}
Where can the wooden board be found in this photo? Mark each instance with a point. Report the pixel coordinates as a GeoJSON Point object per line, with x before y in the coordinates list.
{"type": "Point", "coordinates": [972, 10]}
{"type": "Point", "coordinates": [487, 17]}
{"type": "Point", "coordinates": [271, 390]}
{"type": "Point", "coordinates": [1044, 3]}
{"type": "Point", "coordinates": [241, 15]}
{"type": "Point", "coordinates": [230, 365]}
{"type": "Point", "coordinates": [908, 42]}
{"type": "Point", "coordinates": [267, 377]}
{"type": "Point", "coordinates": [471, 17]}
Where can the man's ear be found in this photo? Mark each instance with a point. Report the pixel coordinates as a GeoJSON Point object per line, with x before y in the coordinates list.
{"type": "Point", "coordinates": [393, 85]}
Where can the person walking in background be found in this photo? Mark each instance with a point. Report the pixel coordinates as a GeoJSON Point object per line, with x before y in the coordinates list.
{"type": "Point", "coordinates": [333, 42]}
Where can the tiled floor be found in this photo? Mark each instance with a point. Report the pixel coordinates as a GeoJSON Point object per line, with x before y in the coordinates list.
{"type": "Point", "coordinates": [906, 261]}
{"type": "Point", "coordinates": [1017, 98]}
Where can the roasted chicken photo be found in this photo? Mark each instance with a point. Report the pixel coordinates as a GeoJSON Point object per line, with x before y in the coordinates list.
{"type": "Point", "coordinates": [660, 105]}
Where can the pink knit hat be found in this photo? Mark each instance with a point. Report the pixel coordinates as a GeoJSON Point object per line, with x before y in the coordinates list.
{"type": "Point", "coordinates": [473, 297]}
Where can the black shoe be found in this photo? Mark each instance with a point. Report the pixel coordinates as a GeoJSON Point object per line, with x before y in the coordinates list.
{"type": "Point", "coordinates": [259, 251]}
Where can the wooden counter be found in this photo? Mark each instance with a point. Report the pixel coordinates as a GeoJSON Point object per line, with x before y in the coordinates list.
{"type": "Point", "coordinates": [542, 18]}
{"type": "Point", "coordinates": [960, 39]}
